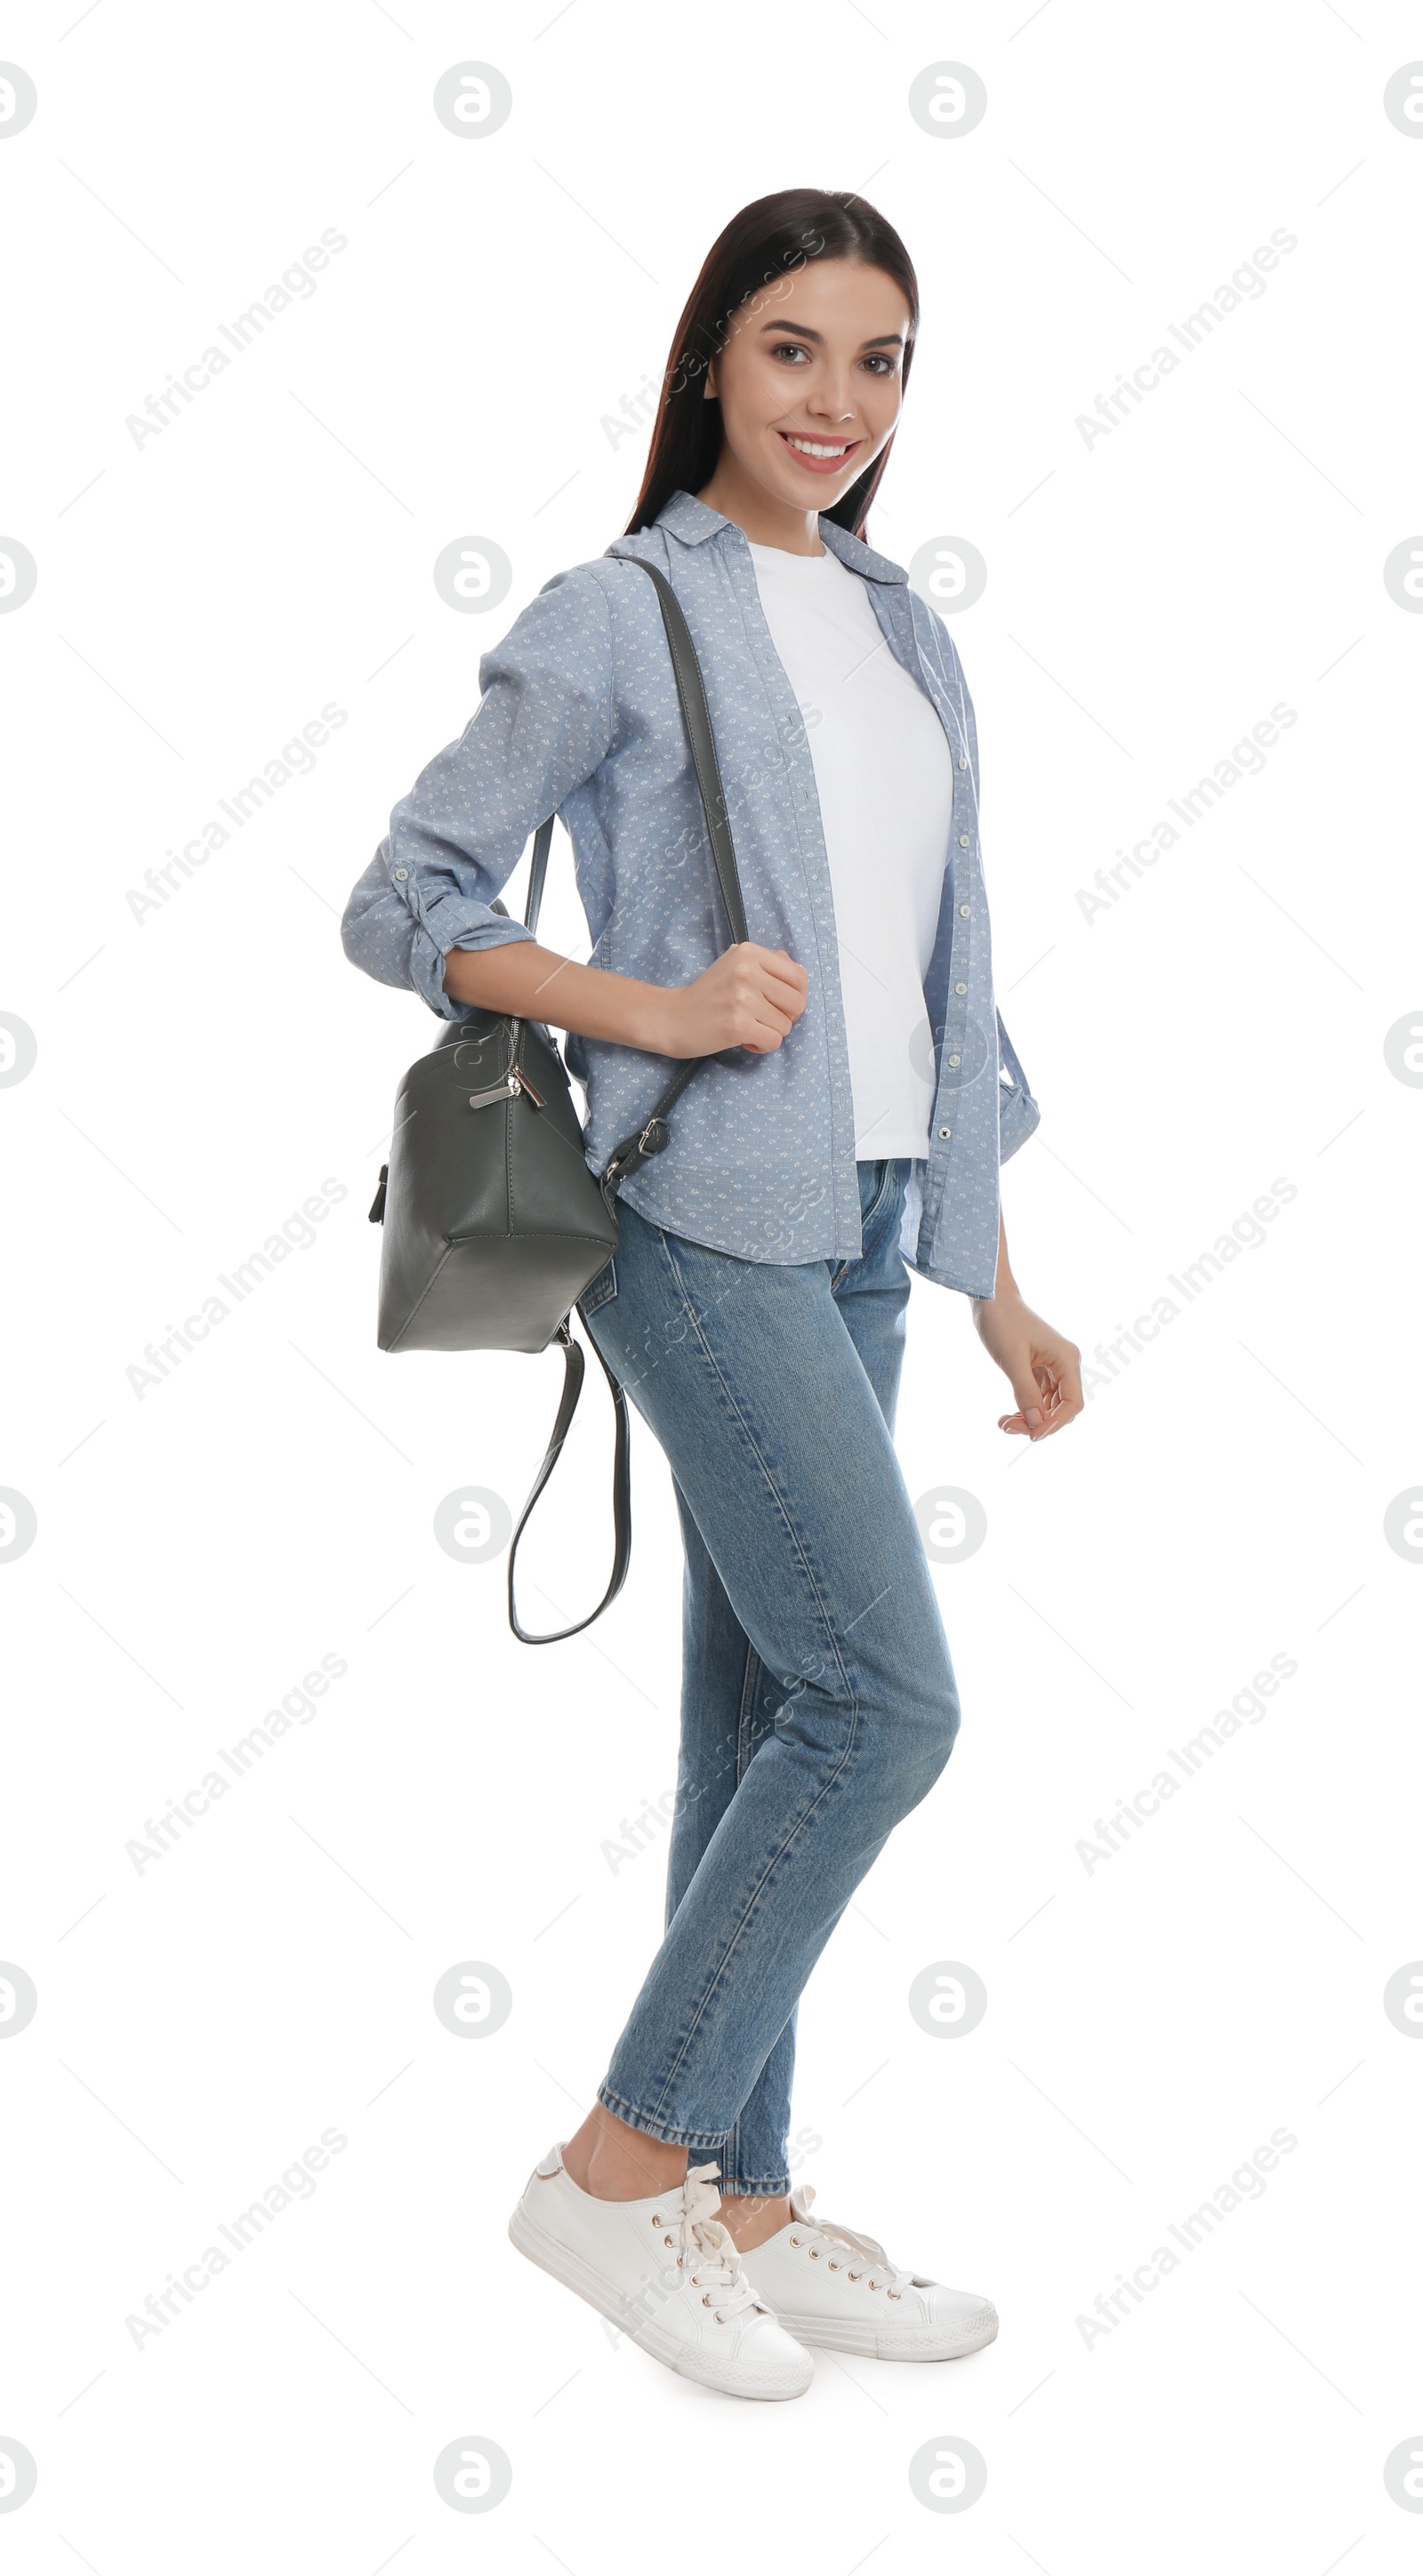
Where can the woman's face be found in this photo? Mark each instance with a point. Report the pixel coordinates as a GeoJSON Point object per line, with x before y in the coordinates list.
{"type": "Point", "coordinates": [811, 380]}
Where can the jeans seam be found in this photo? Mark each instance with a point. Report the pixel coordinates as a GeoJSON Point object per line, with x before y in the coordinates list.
{"type": "Point", "coordinates": [744, 1719]}
{"type": "Point", "coordinates": [745, 1715]}
{"type": "Point", "coordinates": [854, 1706]}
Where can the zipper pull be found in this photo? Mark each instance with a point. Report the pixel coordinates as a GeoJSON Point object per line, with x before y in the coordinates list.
{"type": "Point", "coordinates": [510, 1084]}
{"type": "Point", "coordinates": [504, 1089]}
{"type": "Point", "coordinates": [509, 1088]}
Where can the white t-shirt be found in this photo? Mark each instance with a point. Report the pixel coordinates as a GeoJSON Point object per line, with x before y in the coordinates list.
{"type": "Point", "coordinates": [884, 775]}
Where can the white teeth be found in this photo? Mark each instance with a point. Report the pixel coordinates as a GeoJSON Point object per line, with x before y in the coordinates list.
{"type": "Point", "coordinates": [809, 447]}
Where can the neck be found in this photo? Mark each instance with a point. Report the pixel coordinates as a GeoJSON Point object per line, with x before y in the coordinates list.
{"type": "Point", "coordinates": [757, 512]}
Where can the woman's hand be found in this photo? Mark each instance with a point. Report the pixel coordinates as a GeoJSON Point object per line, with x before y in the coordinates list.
{"type": "Point", "coordinates": [1043, 1367]}
{"type": "Point", "coordinates": [752, 998]}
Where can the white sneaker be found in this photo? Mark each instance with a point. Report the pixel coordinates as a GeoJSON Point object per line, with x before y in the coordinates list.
{"type": "Point", "coordinates": [666, 2272]}
{"type": "Point", "coordinates": [831, 2287]}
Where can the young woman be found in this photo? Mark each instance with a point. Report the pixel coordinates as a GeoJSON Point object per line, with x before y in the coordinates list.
{"type": "Point", "coordinates": [862, 1095]}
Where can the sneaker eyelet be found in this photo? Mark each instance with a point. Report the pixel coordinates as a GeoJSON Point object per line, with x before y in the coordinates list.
{"type": "Point", "coordinates": [853, 2276]}
{"type": "Point", "coordinates": [814, 2253]}
{"type": "Point", "coordinates": [896, 2294]}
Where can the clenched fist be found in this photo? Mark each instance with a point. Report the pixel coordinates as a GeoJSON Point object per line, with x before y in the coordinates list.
{"type": "Point", "coordinates": [752, 997]}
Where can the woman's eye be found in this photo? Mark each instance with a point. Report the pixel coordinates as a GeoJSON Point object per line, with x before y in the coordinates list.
{"type": "Point", "coordinates": [881, 365]}
{"type": "Point", "coordinates": [787, 349]}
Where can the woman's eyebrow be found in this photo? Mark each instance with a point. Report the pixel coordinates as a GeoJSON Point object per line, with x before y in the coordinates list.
{"type": "Point", "coordinates": [803, 331]}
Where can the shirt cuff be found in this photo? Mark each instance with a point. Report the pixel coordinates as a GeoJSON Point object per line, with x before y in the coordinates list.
{"type": "Point", "coordinates": [455, 924]}
{"type": "Point", "coordinates": [1018, 1117]}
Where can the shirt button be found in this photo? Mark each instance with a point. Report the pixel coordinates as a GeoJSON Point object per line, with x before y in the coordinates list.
{"type": "Point", "coordinates": [963, 840]}
{"type": "Point", "coordinates": [946, 1131]}
{"type": "Point", "coordinates": [963, 912]}
{"type": "Point", "coordinates": [400, 875]}
{"type": "Point", "coordinates": [955, 1059]}
{"type": "Point", "coordinates": [960, 988]}
{"type": "Point", "coordinates": [963, 764]}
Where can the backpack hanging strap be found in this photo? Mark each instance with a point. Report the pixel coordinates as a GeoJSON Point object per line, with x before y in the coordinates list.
{"type": "Point", "coordinates": [573, 1368]}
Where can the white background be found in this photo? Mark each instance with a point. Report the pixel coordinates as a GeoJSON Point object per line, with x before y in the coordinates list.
{"type": "Point", "coordinates": [202, 1069]}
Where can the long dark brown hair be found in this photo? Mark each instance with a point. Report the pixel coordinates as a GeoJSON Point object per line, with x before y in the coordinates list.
{"type": "Point", "coordinates": [766, 242]}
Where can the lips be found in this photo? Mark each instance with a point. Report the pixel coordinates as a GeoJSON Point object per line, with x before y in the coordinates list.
{"type": "Point", "coordinates": [835, 463]}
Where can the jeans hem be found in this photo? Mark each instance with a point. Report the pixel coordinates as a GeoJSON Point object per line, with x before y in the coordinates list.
{"type": "Point", "coordinates": [665, 2130]}
{"type": "Point", "coordinates": [773, 2187]}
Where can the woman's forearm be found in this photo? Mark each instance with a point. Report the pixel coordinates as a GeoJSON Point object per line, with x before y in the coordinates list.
{"type": "Point", "coordinates": [751, 996]}
{"type": "Point", "coordinates": [1005, 1286]}
{"type": "Point", "coordinates": [535, 983]}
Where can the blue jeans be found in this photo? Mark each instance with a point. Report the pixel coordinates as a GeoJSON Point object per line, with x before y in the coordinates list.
{"type": "Point", "coordinates": [818, 1697]}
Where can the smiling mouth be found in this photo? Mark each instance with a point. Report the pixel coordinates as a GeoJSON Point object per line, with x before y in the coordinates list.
{"type": "Point", "coordinates": [819, 455]}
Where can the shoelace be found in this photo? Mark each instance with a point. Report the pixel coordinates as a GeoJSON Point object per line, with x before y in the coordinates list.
{"type": "Point", "coordinates": [829, 2233]}
{"type": "Point", "coordinates": [706, 2253]}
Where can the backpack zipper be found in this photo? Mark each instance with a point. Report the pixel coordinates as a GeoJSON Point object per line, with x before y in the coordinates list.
{"type": "Point", "coordinates": [510, 1083]}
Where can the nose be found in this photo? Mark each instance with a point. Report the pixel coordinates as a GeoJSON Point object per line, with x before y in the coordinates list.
{"type": "Point", "coordinates": [833, 399]}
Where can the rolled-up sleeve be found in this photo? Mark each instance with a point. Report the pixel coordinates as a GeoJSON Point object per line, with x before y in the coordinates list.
{"type": "Point", "coordinates": [544, 723]}
{"type": "Point", "coordinates": [1018, 1112]}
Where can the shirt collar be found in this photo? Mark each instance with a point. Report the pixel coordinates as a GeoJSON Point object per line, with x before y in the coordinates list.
{"type": "Point", "coordinates": [691, 522]}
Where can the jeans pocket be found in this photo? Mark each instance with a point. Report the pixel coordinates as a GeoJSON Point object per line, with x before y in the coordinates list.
{"type": "Point", "coordinates": [598, 1292]}
{"type": "Point", "coordinates": [886, 1184]}
{"type": "Point", "coordinates": [880, 1225]}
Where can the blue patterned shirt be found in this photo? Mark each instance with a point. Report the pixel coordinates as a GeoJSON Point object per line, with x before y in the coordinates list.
{"type": "Point", "coordinates": [579, 716]}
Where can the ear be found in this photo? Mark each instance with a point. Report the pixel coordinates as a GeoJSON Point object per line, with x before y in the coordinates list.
{"type": "Point", "coordinates": [709, 392]}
